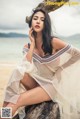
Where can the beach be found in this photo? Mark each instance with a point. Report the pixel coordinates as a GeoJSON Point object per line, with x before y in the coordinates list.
{"type": "Point", "coordinates": [5, 72]}
{"type": "Point", "coordinates": [11, 53]}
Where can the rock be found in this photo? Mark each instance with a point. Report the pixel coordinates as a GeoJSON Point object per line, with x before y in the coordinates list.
{"type": "Point", "coordinates": [45, 110]}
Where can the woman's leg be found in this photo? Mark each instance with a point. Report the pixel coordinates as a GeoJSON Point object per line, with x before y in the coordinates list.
{"type": "Point", "coordinates": [33, 96]}
{"type": "Point", "coordinates": [5, 104]}
{"type": "Point", "coordinates": [28, 82]}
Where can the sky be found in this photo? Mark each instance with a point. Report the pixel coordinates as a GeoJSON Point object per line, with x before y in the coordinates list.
{"type": "Point", "coordinates": [65, 20]}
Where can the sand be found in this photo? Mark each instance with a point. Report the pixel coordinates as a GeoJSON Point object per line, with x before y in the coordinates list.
{"type": "Point", "coordinates": [5, 72]}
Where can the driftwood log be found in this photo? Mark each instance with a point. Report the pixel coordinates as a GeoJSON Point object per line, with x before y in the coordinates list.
{"type": "Point", "coordinates": [49, 6]}
{"type": "Point", "coordinates": [45, 110]}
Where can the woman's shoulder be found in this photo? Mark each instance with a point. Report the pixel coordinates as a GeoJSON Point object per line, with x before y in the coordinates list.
{"type": "Point", "coordinates": [25, 48]}
{"type": "Point", "coordinates": [27, 45]}
{"type": "Point", "coordinates": [57, 43]}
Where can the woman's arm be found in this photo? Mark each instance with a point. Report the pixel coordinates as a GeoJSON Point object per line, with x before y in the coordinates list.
{"type": "Point", "coordinates": [75, 56]}
{"type": "Point", "coordinates": [74, 52]}
{"type": "Point", "coordinates": [30, 52]}
{"type": "Point", "coordinates": [27, 64]}
{"type": "Point", "coordinates": [32, 45]}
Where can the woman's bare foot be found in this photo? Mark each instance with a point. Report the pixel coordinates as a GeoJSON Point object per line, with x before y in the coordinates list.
{"type": "Point", "coordinates": [14, 108]}
{"type": "Point", "coordinates": [4, 105]}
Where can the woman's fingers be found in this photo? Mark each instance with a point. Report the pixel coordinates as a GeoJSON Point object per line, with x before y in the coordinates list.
{"type": "Point", "coordinates": [31, 35]}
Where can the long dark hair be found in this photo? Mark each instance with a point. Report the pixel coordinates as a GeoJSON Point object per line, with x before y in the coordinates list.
{"type": "Point", "coordinates": [46, 33]}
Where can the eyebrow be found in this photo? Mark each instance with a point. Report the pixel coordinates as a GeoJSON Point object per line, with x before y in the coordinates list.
{"type": "Point", "coordinates": [37, 16]}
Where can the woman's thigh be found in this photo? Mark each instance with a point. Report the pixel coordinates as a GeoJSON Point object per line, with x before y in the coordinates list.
{"type": "Point", "coordinates": [29, 82]}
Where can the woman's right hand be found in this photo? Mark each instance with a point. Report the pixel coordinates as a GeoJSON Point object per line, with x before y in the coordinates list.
{"type": "Point", "coordinates": [31, 36]}
{"type": "Point", "coordinates": [29, 54]}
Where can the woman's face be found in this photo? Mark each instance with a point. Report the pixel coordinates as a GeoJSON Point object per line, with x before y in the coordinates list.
{"type": "Point", "coordinates": [38, 22]}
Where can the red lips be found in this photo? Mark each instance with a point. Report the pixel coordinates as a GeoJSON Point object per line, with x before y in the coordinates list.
{"type": "Point", "coordinates": [37, 26]}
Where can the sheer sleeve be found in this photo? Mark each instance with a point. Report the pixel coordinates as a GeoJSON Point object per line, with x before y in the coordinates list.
{"type": "Point", "coordinates": [75, 56]}
{"type": "Point", "coordinates": [25, 66]}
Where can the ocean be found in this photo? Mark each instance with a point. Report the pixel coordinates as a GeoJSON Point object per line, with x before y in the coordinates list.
{"type": "Point", "coordinates": [11, 48]}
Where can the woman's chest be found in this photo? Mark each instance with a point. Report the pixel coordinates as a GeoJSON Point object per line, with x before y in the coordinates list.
{"type": "Point", "coordinates": [39, 51]}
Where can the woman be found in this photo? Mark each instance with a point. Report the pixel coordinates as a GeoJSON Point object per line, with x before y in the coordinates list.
{"type": "Point", "coordinates": [46, 71]}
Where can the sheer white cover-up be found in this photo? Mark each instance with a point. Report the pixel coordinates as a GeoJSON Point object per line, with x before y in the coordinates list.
{"type": "Point", "coordinates": [58, 75]}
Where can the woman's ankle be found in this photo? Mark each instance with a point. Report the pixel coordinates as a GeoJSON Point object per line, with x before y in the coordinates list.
{"type": "Point", "coordinates": [5, 104]}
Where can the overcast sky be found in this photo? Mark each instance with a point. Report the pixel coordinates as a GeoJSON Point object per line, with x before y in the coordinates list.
{"type": "Point", "coordinates": [66, 19]}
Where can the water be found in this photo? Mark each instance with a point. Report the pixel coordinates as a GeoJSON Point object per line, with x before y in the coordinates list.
{"type": "Point", "coordinates": [11, 48]}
